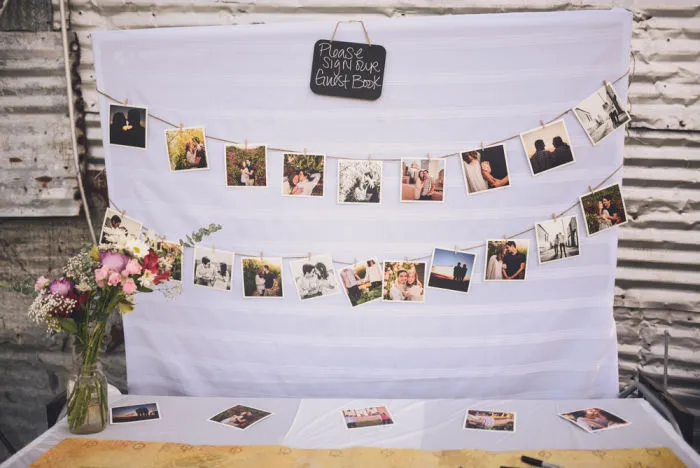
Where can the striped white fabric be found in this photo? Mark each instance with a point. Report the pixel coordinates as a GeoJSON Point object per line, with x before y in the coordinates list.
{"type": "Point", "coordinates": [450, 83]}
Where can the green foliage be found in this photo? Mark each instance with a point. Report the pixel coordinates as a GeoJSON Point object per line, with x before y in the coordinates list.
{"type": "Point", "coordinates": [69, 325]}
{"type": "Point", "coordinates": [198, 236]}
{"type": "Point", "coordinates": [234, 160]}
{"type": "Point", "coordinates": [361, 272]}
{"type": "Point", "coordinates": [177, 141]}
{"type": "Point", "coordinates": [251, 266]}
{"type": "Point", "coordinates": [369, 294]}
{"type": "Point", "coordinates": [309, 163]}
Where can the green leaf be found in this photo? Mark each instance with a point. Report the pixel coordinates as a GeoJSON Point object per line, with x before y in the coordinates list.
{"type": "Point", "coordinates": [126, 307]}
{"type": "Point", "coordinates": [69, 325]}
{"type": "Point", "coordinates": [143, 289]}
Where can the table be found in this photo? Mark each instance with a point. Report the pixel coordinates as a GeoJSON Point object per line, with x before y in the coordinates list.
{"type": "Point", "coordinates": [421, 424]}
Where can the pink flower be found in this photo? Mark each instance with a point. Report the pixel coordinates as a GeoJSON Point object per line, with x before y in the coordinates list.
{"type": "Point", "coordinates": [61, 287]}
{"type": "Point", "coordinates": [114, 279]}
{"type": "Point", "coordinates": [41, 283]}
{"type": "Point", "coordinates": [114, 261]}
{"type": "Point", "coordinates": [101, 274]}
{"type": "Point", "coordinates": [129, 286]}
{"type": "Point", "coordinates": [133, 267]}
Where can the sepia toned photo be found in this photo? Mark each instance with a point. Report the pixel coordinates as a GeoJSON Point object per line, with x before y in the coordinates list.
{"type": "Point", "coordinates": [492, 421]}
{"type": "Point", "coordinates": [173, 259]}
{"type": "Point", "coordinates": [594, 419]}
{"type": "Point", "coordinates": [186, 149]}
{"type": "Point", "coordinates": [404, 281]}
{"type": "Point", "coordinates": [134, 413]}
{"type": "Point", "coordinates": [547, 147]}
{"type": "Point", "coordinates": [246, 165]}
{"type": "Point", "coordinates": [302, 175]}
{"type": "Point", "coordinates": [127, 126]}
{"type": "Point", "coordinates": [603, 209]}
{"type": "Point", "coordinates": [240, 417]}
{"type": "Point", "coordinates": [213, 268]}
{"type": "Point", "coordinates": [314, 276]}
{"type": "Point", "coordinates": [116, 220]}
{"type": "Point", "coordinates": [367, 417]}
{"type": "Point", "coordinates": [485, 169]}
{"type": "Point", "coordinates": [423, 180]}
{"type": "Point", "coordinates": [359, 181]}
{"type": "Point", "coordinates": [362, 281]}
{"type": "Point", "coordinates": [557, 239]}
{"type": "Point", "coordinates": [262, 277]}
{"type": "Point", "coordinates": [601, 113]}
{"type": "Point", "coordinates": [506, 260]}
{"type": "Point", "coordinates": [451, 270]}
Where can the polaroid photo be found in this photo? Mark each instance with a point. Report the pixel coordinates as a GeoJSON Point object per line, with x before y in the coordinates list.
{"type": "Point", "coordinates": [314, 276]}
{"type": "Point", "coordinates": [366, 417]}
{"type": "Point", "coordinates": [359, 181]}
{"type": "Point", "coordinates": [601, 113]}
{"type": "Point", "coordinates": [557, 239]}
{"type": "Point", "coordinates": [262, 277]}
{"type": "Point", "coordinates": [594, 420]}
{"type": "Point", "coordinates": [116, 220]}
{"type": "Point", "coordinates": [246, 165]}
{"type": "Point", "coordinates": [403, 281]}
{"type": "Point", "coordinates": [213, 268]}
{"type": "Point", "coordinates": [173, 259]}
{"type": "Point", "coordinates": [547, 147]}
{"type": "Point", "coordinates": [240, 416]}
{"type": "Point", "coordinates": [186, 149]}
{"type": "Point", "coordinates": [362, 281]}
{"type": "Point", "coordinates": [603, 208]}
{"type": "Point", "coordinates": [485, 170]}
{"type": "Point", "coordinates": [134, 413]}
{"type": "Point", "coordinates": [422, 180]}
{"type": "Point", "coordinates": [302, 175]}
{"type": "Point", "coordinates": [451, 270]}
{"type": "Point", "coordinates": [127, 126]}
{"type": "Point", "coordinates": [506, 259]}
{"type": "Point", "coordinates": [490, 421]}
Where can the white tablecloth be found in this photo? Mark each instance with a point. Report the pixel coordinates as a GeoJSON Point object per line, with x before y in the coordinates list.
{"type": "Point", "coordinates": [421, 424]}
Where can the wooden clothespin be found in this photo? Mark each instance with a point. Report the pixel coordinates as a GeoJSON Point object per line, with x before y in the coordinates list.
{"type": "Point", "coordinates": [482, 146]}
{"type": "Point", "coordinates": [261, 256]}
{"type": "Point", "coordinates": [123, 212]}
{"type": "Point", "coordinates": [590, 189]}
{"type": "Point", "coordinates": [428, 156]}
{"type": "Point", "coordinates": [304, 151]}
{"type": "Point", "coordinates": [554, 216]}
{"type": "Point", "coordinates": [505, 237]}
{"type": "Point", "coordinates": [245, 144]}
{"type": "Point", "coordinates": [181, 127]}
{"type": "Point", "coordinates": [456, 249]}
{"type": "Point", "coordinates": [542, 123]}
{"type": "Point", "coordinates": [309, 256]}
{"type": "Point", "coordinates": [126, 101]}
{"type": "Point", "coordinates": [605, 83]}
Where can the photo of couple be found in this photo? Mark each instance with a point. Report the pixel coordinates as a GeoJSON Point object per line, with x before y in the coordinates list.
{"type": "Point", "coordinates": [506, 260]}
{"type": "Point", "coordinates": [246, 166]}
{"type": "Point", "coordinates": [422, 180]}
{"type": "Point", "coordinates": [604, 209]}
{"type": "Point", "coordinates": [362, 281]}
{"type": "Point", "coordinates": [314, 276]}
{"type": "Point", "coordinates": [403, 281]}
{"type": "Point", "coordinates": [547, 147]}
{"type": "Point", "coordinates": [262, 277]}
{"type": "Point", "coordinates": [365, 417]}
{"type": "Point", "coordinates": [127, 126]}
{"type": "Point", "coordinates": [116, 220]}
{"type": "Point", "coordinates": [302, 174]}
{"type": "Point", "coordinates": [213, 268]}
{"type": "Point", "coordinates": [240, 417]}
{"type": "Point", "coordinates": [557, 239]}
{"type": "Point", "coordinates": [359, 181]}
{"type": "Point", "coordinates": [594, 419]}
{"type": "Point", "coordinates": [485, 169]}
{"type": "Point", "coordinates": [451, 270]}
{"type": "Point", "coordinates": [173, 259]}
{"type": "Point", "coordinates": [186, 149]}
{"type": "Point", "coordinates": [481, 420]}
{"type": "Point", "coordinates": [601, 113]}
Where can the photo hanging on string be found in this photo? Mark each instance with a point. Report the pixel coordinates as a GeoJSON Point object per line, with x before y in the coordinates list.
{"type": "Point", "coordinates": [186, 149]}
{"type": "Point", "coordinates": [245, 165]}
{"type": "Point", "coordinates": [302, 174]}
{"type": "Point", "coordinates": [485, 170]}
{"type": "Point", "coordinates": [262, 277]}
{"type": "Point", "coordinates": [115, 220]}
{"type": "Point", "coordinates": [451, 270]}
{"type": "Point", "coordinates": [506, 260]}
{"type": "Point", "coordinates": [557, 239]}
{"type": "Point", "coordinates": [404, 281]}
{"type": "Point", "coordinates": [603, 208]}
{"type": "Point", "coordinates": [128, 126]}
{"type": "Point", "coordinates": [601, 113]}
{"type": "Point", "coordinates": [422, 180]}
{"type": "Point", "coordinates": [314, 276]}
{"type": "Point", "coordinates": [359, 181]}
{"type": "Point", "coordinates": [362, 281]}
{"type": "Point", "coordinates": [547, 147]}
{"type": "Point", "coordinates": [213, 268]}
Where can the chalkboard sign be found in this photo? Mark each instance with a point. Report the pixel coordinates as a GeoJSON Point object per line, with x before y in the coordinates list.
{"type": "Point", "coordinates": [348, 69]}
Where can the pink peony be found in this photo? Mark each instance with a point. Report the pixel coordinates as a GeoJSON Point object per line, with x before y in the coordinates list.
{"type": "Point", "coordinates": [114, 279]}
{"type": "Point", "coordinates": [133, 267]}
{"type": "Point", "coordinates": [41, 283]}
{"type": "Point", "coordinates": [129, 286]}
{"type": "Point", "coordinates": [61, 287]}
{"type": "Point", "coordinates": [101, 274]}
{"type": "Point", "coordinates": [114, 261]}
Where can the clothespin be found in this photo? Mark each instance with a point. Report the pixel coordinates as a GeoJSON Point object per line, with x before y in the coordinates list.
{"type": "Point", "coordinates": [542, 123]}
{"type": "Point", "coordinates": [354, 260]}
{"type": "Point", "coordinates": [590, 189]}
{"type": "Point", "coordinates": [246, 144]}
{"type": "Point", "coordinates": [309, 256]}
{"type": "Point", "coordinates": [123, 212]}
{"type": "Point", "coordinates": [482, 146]}
{"type": "Point", "coordinates": [304, 151]}
{"type": "Point", "coordinates": [554, 216]}
{"type": "Point", "coordinates": [213, 250]}
{"type": "Point", "coordinates": [181, 127]}
{"type": "Point", "coordinates": [261, 256]}
{"type": "Point", "coordinates": [505, 237]}
{"type": "Point", "coordinates": [428, 156]}
{"type": "Point", "coordinates": [605, 83]}
{"type": "Point", "coordinates": [456, 249]}
{"type": "Point", "coordinates": [126, 101]}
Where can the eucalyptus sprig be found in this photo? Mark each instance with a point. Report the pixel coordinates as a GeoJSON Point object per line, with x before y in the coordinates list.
{"type": "Point", "coordinates": [198, 236]}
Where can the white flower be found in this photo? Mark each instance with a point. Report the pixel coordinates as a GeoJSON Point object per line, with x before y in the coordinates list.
{"type": "Point", "coordinates": [146, 279]}
{"type": "Point", "coordinates": [136, 246]}
{"type": "Point", "coordinates": [116, 237]}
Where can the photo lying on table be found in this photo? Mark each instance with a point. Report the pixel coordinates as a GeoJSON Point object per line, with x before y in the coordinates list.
{"type": "Point", "coordinates": [423, 180]}
{"type": "Point", "coordinates": [134, 413]}
{"type": "Point", "coordinates": [213, 268]}
{"type": "Point", "coordinates": [314, 276]}
{"type": "Point", "coordinates": [594, 419]}
{"type": "Point", "coordinates": [600, 114]}
{"type": "Point", "coordinates": [366, 417]}
{"type": "Point", "coordinates": [359, 181]}
{"type": "Point", "coordinates": [506, 259]}
{"type": "Point", "coordinates": [603, 209]}
{"type": "Point", "coordinates": [302, 174]}
{"type": "Point", "coordinates": [557, 239]}
{"type": "Point", "coordinates": [483, 420]}
{"type": "Point", "coordinates": [246, 165]}
{"type": "Point", "coordinates": [173, 259]}
{"type": "Point", "coordinates": [116, 220]}
{"type": "Point", "coordinates": [362, 281]}
{"type": "Point", "coordinates": [240, 417]}
{"type": "Point", "coordinates": [547, 147]}
{"type": "Point", "coordinates": [262, 277]}
{"type": "Point", "coordinates": [403, 281]}
{"type": "Point", "coordinates": [485, 169]}
{"type": "Point", "coordinates": [451, 270]}
{"type": "Point", "coordinates": [186, 149]}
{"type": "Point", "coordinates": [127, 126]}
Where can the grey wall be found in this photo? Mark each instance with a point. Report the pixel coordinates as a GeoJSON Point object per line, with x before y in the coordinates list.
{"type": "Point", "coordinates": [658, 276]}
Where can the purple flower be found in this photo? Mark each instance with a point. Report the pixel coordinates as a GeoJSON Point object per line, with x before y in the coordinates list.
{"type": "Point", "coordinates": [61, 287]}
{"type": "Point", "coordinates": [114, 261]}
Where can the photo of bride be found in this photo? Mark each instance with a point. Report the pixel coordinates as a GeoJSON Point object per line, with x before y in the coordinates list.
{"type": "Point", "coordinates": [485, 169]}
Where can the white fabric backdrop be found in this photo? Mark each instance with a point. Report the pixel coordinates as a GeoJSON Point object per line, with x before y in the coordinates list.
{"type": "Point", "coordinates": [450, 83]}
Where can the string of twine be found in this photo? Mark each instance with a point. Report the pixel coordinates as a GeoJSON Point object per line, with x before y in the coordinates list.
{"type": "Point", "coordinates": [369, 41]}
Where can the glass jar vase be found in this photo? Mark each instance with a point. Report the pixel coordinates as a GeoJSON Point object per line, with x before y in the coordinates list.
{"type": "Point", "coordinates": [86, 404]}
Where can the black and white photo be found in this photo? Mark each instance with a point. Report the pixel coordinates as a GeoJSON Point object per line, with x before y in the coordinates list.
{"type": "Point", "coordinates": [116, 220]}
{"type": "Point", "coordinates": [213, 268]}
{"type": "Point", "coordinates": [485, 169]}
{"type": "Point", "coordinates": [127, 126]}
{"type": "Point", "coordinates": [557, 239]}
{"type": "Point", "coordinates": [314, 276]}
{"type": "Point", "coordinates": [601, 113]}
{"type": "Point", "coordinates": [359, 181]}
{"type": "Point", "coordinates": [547, 147]}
